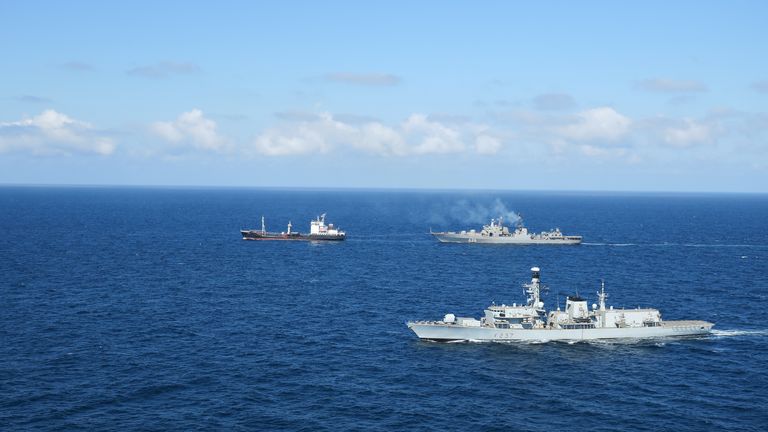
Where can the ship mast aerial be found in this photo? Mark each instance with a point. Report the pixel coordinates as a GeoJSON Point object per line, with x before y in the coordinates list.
{"type": "Point", "coordinates": [533, 289]}
{"type": "Point", "coordinates": [602, 295]}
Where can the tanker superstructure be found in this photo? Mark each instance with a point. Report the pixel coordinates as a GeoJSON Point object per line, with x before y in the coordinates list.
{"type": "Point", "coordinates": [497, 233]}
{"type": "Point", "coordinates": [318, 231]}
{"type": "Point", "coordinates": [531, 322]}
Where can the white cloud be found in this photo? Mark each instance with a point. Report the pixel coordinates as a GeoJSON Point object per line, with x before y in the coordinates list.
{"type": "Point", "coordinates": [379, 139]}
{"type": "Point", "coordinates": [52, 132]}
{"type": "Point", "coordinates": [77, 66]}
{"type": "Point", "coordinates": [553, 101]}
{"type": "Point", "coordinates": [191, 128]}
{"type": "Point", "coordinates": [593, 151]}
{"type": "Point", "coordinates": [164, 70]}
{"type": "Point", "coordinates": [665, 85]}
{"type": "Point", "coordinates": [760, 86]}
{"type": "Point", "coordinates": [33, 99]}
{"type": "Point", "coordinates": [295, 115]}
{"type": "Point", "coordinates": [431, 136]}
{"type": "Point", "coordinates": [610, 153]}
{"type": "Point", "coordinates": [603, 132]}
{"type": "Point", "coordinates": [597, 124]}
{"type": "Point", "coordinates": [309, 136]}
{"type": "Point", "coordinates": [595, 133]}
{"type": "Point", "coordinates": [487, 145]}
{"type": "Point", "coordinates": [688, 133]}
{"type": "Point", "coordinates": [417, 135]}
{"type": "Point", "coordinates": [369, 79]}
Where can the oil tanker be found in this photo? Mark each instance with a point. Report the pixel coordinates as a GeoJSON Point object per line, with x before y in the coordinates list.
{"type": "Point", "coordinates": [318, 231]}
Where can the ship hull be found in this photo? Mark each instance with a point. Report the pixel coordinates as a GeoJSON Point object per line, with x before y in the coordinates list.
{"type": "Point", "coordinates": [259, 235]}
{"type": "Point", "coordinates": [514, 240]}
{"type": "Point", "coordinates": [436, 331]}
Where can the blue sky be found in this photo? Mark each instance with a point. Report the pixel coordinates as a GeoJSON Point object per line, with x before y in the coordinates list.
{"type": "Point", "coordinates": [656, 96]}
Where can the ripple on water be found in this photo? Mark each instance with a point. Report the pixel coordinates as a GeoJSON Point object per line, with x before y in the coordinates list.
{"type": "Point", "coordinates": [142, 308]}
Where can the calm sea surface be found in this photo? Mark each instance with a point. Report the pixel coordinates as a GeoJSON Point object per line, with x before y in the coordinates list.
{"type": "Point", "coordinates": [128, 309]}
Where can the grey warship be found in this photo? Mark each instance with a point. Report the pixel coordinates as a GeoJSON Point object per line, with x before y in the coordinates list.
{"type": "Point", "coordinates": [497, 233]}
{"type": "Point", "coordinates": [531, 322]}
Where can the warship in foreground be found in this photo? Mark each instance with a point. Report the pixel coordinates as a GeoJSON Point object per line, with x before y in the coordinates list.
{"type": "Point", "coordinates": [497, 233]}
{"type": "Point", "coordinates": [318, 230]}
{"type": "Point", "coordinates": [531, 322]}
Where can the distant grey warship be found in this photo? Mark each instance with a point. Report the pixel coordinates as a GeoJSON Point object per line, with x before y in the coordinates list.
{"type": "Point", "coordinates": [531, 322]}
{"type": "Point", "coordinates": [497, 233]}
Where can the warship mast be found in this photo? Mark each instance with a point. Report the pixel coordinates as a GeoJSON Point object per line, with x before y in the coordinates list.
{"type": "Point", "coordinates": [533, 290]}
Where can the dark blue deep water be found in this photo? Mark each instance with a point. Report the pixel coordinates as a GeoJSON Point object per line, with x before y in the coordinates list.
{"type": "Point", "coordinates": [127, 309]}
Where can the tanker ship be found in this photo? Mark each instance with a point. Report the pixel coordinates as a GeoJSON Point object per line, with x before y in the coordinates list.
{"type": "Point", "coordinates": [318, 231]}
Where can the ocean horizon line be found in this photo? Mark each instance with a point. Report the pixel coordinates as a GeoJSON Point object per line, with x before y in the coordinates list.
{"type": "Point", "coordinates": [375, 189]}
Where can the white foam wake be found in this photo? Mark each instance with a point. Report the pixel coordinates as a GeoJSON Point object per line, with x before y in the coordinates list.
{"type": "Point", "coordinates": [695, 245]}
{"type": "Point", "coordinates": [735, 333]}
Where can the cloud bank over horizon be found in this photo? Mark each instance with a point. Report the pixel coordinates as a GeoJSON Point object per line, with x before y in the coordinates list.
{"type": "Point", "coordinates": [416, 135]}
{"type": "Point", "coordinates": [436, 97]}
{"type": "Point", "coordinates": [595, 133]}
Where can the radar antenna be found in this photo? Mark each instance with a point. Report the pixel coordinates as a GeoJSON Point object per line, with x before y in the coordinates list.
{"type": "Point", "coordinates": [533, 289]}
{"type": "Point", "coordinates": [602, 295]}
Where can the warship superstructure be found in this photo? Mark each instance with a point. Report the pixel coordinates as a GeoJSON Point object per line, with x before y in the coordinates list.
{"type": "Point", "coordinates": [531, 322]}
{"type": "Point", "coordinates": [318, 230]}
{"type": "Point", "coordinates": [497, 233]}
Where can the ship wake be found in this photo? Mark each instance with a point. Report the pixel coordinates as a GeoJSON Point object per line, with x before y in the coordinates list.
{"type": "Point", "coordinates": [691, 245]}
{"type": "Point", "coordinates": [738, 333]}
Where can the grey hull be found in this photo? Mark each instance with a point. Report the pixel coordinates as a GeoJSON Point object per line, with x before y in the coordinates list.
{"type": "Point", "coordinates": [516, 240]}
{"type": "Point", "coordinates": [438, 331]}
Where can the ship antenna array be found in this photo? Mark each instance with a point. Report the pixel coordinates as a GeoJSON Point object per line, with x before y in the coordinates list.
{"type": "Point", "coordinates": [602, 295]}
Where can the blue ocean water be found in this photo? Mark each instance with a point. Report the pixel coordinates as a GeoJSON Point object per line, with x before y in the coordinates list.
{"type": "Point", "coordinates": [141, 308]}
